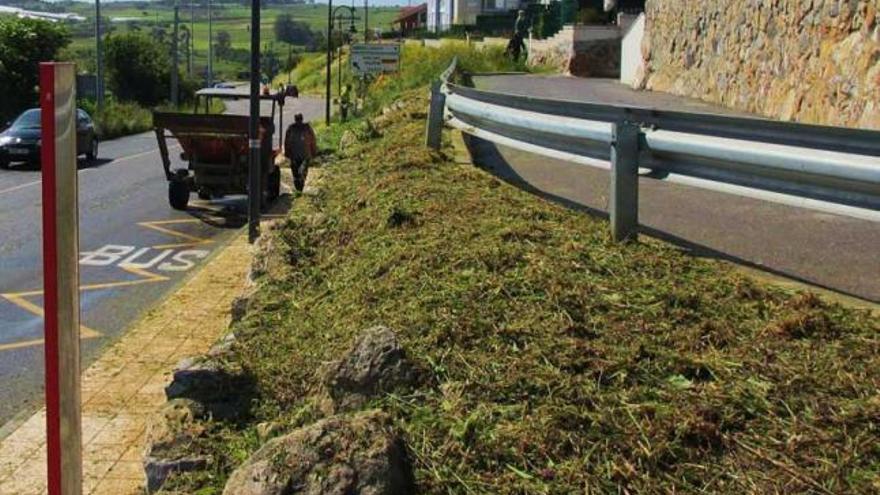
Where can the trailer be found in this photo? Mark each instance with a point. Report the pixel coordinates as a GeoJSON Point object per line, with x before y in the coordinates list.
{"type": "Point", "coordinates": [215, 148]}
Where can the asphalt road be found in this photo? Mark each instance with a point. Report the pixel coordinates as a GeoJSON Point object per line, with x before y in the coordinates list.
{"type": "Point", "coordinates": [134, 249]}
{"type": "Point", "coordinates": [834, 252]}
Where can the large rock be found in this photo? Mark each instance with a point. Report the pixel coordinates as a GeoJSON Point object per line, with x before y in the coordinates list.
{"type": "Point", "coordinates": [269, 254]}
{"type": "Point", "coordinates": [340, 455]}
{"type": "Point", "coordinates": [170, 434]}
{"type": "Point", "coordinates": [374, 365]}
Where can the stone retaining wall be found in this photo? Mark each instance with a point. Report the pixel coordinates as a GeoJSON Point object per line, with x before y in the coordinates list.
{"type": "Point", "coordinates": [583, 51]}
{"type": "Point", "coordinates": [815, 61]}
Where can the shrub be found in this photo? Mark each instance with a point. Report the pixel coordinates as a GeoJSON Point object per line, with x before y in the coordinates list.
{"type": "Point", "coordinates": [24, 43]}
{"type": "Point", "coordinates": [137, 68]}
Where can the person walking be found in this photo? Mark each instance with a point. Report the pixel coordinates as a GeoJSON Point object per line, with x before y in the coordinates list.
{"type": "Point", "coordinates": [517, 44]}
{"type": "Point", "coordinates": [300, 147]}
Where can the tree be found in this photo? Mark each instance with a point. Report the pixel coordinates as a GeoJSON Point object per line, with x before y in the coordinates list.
{"type": "Point", "coordinates": [138, 67]}
{"type": "Point", "coordinates": [24, 43]}
{"type": "Point", "coordinates": [223, 46]}
{"type": "Point", "coordinates": [292, 32]}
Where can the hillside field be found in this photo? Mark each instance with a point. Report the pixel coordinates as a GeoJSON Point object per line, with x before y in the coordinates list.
{"type": "Point", "coordinates": [234, 19]}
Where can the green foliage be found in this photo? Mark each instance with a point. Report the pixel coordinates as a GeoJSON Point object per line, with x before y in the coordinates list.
{"type": "Point", "coordinates": [223, 45]}
{"type": "Point", "coordinates": [419, 65]}
{"type": "Point", "coordinates": [138, 68]}
{"type": "Point", "coordinates": [119, 118]}
{"type": "Point", "coordinates": [24, 43]}
{"type": "Point", "coordinates": [293, 32]}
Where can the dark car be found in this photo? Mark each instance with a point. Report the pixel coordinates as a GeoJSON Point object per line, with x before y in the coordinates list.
{"type": "Point", "coordinates": [21, 141]}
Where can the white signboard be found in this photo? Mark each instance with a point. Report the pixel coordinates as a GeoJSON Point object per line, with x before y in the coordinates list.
{"type": "Point", "coordinates": [374, 58]}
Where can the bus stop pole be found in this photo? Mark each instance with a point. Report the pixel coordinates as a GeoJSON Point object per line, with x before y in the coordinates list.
{"type": "Point", "coordinates": [255, 182]}
{"type": "Point", "coordinates": [61, 278]}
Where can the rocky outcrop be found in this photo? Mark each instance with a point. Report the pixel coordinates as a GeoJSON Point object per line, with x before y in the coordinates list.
{"type": "Point", "coordinates": [269, 254]}
{"type": "Point", "coordinates": [374, 365]}
{"type": "Point", "coordinates": [815, 61]}
{"type": "Point", "coordinates": [359, 453]}
{"type": "Point", "coordinates": [170, 434]}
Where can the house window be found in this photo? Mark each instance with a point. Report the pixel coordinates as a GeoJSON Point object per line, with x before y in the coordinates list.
{"type": "Point", "coordinates": [488, 4]}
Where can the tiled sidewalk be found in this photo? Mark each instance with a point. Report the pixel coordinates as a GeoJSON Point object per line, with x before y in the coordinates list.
{"type": "Point", "coordinates": [122, 388]}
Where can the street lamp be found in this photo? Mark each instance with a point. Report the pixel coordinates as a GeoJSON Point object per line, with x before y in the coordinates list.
{"type": "Point", "coordinates": [351, 31]}
{"type": "Point", "coordinates": [327, 81]}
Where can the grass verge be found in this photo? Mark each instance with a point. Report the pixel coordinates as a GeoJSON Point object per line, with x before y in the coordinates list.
{"type": "Point", "coordinates": [556, 361]}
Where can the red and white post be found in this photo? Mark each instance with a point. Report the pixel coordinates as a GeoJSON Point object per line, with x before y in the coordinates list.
{"type": "Point", "coordinates": [61, 278]}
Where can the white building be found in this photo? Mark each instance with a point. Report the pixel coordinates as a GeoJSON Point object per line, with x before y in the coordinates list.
{"type": "Point", "coordinates": [443, 14]}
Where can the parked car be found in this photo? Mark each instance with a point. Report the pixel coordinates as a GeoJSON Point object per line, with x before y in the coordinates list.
{"type": "Point", "coordinates": [20, 142]}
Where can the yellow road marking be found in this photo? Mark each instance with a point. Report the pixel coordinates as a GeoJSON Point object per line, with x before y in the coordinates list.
{"type": "Point", "coordinates": [158, 226]}
{"type": "Point", "coordinates": [147, 277]}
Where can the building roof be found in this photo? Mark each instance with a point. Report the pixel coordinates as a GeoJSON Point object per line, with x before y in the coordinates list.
{"type": "Point", "coordinates": [407, 12]}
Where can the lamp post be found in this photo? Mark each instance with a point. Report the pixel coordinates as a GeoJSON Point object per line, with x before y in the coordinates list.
{"type": "Point", "coordinates": [175, 56]}
{"type": "Point", "coordinates": [329, 60]}
{"type": "Point", "coordinates": [351, 30]}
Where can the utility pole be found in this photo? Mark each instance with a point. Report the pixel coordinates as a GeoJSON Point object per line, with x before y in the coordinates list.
{"type": "Point", "coordinates": [192, 37]}
{"type": "Point", "coordinates": [366, 22]}
{"type": "Point", "coordinates": [329, 59]}
{"type": "Point", "coordinates": [175, 56]}
{"type": "Point", "coordinates": [255, 182]}
{"type": "Point", "coordinates": [99, 62]}
{"type": "Point", "coordinates": [210, 45]}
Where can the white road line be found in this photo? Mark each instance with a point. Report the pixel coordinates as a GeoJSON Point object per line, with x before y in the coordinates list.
{"type": "Point", "coordinates": [20, 186]}
{"type": "Point", "coordinates": [115, 160]}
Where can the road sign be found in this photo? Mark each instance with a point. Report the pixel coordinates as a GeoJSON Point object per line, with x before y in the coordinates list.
{"type": "Point", "coordinates": [374, 58]}
{"type": "Point", "coordinates": [61, 278]}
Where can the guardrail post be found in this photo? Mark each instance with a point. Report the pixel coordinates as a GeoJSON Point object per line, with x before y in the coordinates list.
{"type": "Point", "coordinates": [435, 117]}
{"type": "Point", "coordinates": [624, 192]}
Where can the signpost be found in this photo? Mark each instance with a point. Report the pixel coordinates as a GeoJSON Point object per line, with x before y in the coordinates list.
{"type": "Point", "coordinates": [371, 59]}
{"type": "Point", "coordinates": [61, 278]}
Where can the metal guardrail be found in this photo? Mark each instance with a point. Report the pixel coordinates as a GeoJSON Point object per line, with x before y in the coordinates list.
{"type": "Point", "coordinates": [831, 169]}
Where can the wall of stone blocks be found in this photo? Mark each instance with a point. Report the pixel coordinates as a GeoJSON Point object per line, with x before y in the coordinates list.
{"type": "Point", "coordinates": [814, 61]}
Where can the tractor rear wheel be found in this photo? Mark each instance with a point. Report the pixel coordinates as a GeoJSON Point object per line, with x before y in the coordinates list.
{"type": "Point", "coordinates": [178, 194]}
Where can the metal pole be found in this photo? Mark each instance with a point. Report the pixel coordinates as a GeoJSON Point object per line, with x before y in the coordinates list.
{"type": "Point", "coordinates": [366, 22]}
{"type": "Point", "coordinates": [339, 71]}
{"type": "Point", "coordinates": [624, 191]}
{"type": "Point", "coordinates": [329, 60]}
{"type": "Point", "coordinates": [435, 117]}
{"type": "Point", "coordinates": [210, 45]}
{"type": "Point", "coordinates": [192, 36]}
{"type": "Point", "coordinates": [255, 182]}
{"type": "Point", "coordinates": [99, 62]}
{"type": "Point", "coordinates": [61, 280]}
{"type": "Point", "coordinates": [175, 57]}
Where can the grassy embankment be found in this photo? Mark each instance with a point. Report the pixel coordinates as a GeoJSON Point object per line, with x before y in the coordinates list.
{"type": "Point", "coordinates": [555, 360]}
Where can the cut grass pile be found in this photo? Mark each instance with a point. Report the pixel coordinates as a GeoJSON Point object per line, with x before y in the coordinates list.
{"type": "Point", "coordinates": [555, 360]}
